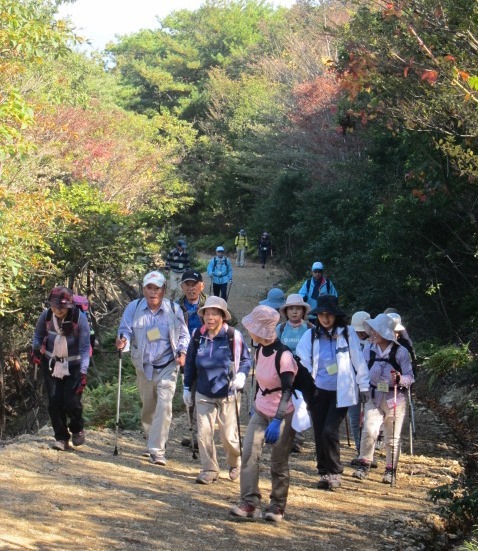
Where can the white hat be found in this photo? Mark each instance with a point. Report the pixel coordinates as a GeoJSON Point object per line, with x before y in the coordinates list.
{"type": "Point", "coordinates": [398, 321]}
{"type": "Point", "coordinates": [219, 249]}
{"type": "Point", "coordinates": [156, 278]}
{"type": "Point", "coordinates": [357, 320]}
{"type": "Point", "coordinates": [317, 266]}
{"type": "Point", "coordinates": [384, 325]}
{"type": "Point", "coordinates": [215, 302]}
{"type": "Point", "coordinates": [295, 300]}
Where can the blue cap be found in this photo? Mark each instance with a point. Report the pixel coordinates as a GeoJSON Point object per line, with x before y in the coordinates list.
{"type": "Point", "coordinates": [182, 243]}
{"type": "Point", "coordinates": [219, 249]}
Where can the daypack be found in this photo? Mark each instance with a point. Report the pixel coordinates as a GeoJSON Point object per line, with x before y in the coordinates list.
{"type": "Point", "coordinates": [327, 283]}
{"type": "Point", "coordinates": [392, 359]}
{"type": "Point", "coordinates": [227, 262]}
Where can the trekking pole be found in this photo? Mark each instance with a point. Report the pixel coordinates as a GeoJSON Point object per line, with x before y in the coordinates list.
{"type": "Point", "coordinates": [238, 418]}
{"type": "Point", "coordinates": [347, 429]}
{"type": "Point", "coordinates": [120, 361]}
{"type": "Point", "coordinates": [228, 291]}
{"type": "Point", "coordinates": [253, 383]}
{"type": "Point", "coordinates": [411, 420]}
{"type": "Point", "coordinates": [393, 432]}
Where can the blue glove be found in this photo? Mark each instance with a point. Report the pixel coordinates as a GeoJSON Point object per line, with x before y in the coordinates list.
{"type": "Point", "coordinates": [273, 431]}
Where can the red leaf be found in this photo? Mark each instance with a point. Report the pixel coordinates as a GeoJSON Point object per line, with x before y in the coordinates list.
{"type": "Point", "coordinates": [430, 76]}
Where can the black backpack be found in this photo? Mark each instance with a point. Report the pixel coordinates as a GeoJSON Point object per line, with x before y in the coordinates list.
{"type": "Point", "coordinates": [309, 283]}
{"type": "Point", "coordinates": [227, 262]}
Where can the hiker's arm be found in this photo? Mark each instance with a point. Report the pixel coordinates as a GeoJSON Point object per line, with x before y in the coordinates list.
{"type": "Point", "coordinates": [246, 362]}
{"type": "Point", "coordinates": [303, 290]}
{"type": "Point", "coordinates": [40, 331]}
{"type": "Point", "coordinates": [403, 358]}
{"type": "Point", "coordinates": [190, 369]}
{"type": "Point", "coordinates": [358, 361]}
{"type": "Point", "coordinates": [287, 380]}
{"type": "Point", "coordinates": [125, 327]}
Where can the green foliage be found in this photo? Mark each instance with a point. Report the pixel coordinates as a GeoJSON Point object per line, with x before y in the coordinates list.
{"type": "Point", "coordinates": [472, 544]}
{"type": "Point", "coordinates": [461, 503]}
{"type": "Point", "coordinates": [446, 361]}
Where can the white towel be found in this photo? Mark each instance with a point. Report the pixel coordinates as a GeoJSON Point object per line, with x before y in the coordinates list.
{"type": "Point", "coordinates": [60, 350]}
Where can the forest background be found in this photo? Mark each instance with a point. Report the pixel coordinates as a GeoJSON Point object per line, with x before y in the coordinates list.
{"type": "Point", "coordinates": [347, 129]}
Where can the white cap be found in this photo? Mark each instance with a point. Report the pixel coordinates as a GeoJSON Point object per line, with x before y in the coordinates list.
{"type": "Point", "coordinates": [156, 278]}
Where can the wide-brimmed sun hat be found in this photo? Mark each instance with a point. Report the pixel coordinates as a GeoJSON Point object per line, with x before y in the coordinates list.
{"type": "Point", "coordinates": [262, 322]}
{"type": "Point", "coordinates": [215, 302]}
{"type": "Point", "coordinates": [328, 304]}
{"type": "Point", "coordinates": [275, 298]}
{"type": "Point", "coordinates": [156, 278]}
{"type": "Point", "coordinates": [295, 300]}
{"type": "Point", "coordinates": [398, 321]}
{"type": "Point", "coordinates": [384, 325]}
{"type": "Point", "coordinates": [61, 297]}
{"type": "Point", "coordinates": [358, 319]}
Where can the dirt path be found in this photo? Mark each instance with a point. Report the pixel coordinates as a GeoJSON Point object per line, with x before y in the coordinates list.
{"type": "Point", "coordinates": [90, 499]}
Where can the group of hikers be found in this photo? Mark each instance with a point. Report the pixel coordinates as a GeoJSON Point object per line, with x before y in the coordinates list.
{"type": "Point", "coordinates": [308, 365]}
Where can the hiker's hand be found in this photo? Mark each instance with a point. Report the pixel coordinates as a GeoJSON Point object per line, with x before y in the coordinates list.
{"type": "Point", "coordinates": [273, 431]}
{"type": "Point", "coordinates": [394, 377]}
{"type": "Point", "coordinates": [238, 382]}
{"type": "Point", "coordinates": [36, 357]}
{"type": "Point", "coordinates": [81, 384]}
{"type": "Point", "coordinates": [187, 398]}
{"type": "Point", "coordinates": [364, 396]}
{"type": "Point", "coordinates": [180, 359]}
{"type": "Point", "coordinates": [120, 343]}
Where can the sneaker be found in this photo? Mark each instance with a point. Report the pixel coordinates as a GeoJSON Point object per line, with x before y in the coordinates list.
{"type": "Point", "coordinates": [145, 453]}
{"type": "Point", "coordinates": [157, 459]}
{"type": "Point", "coordinates": [334, 481]}
{"type": "Point", "coordinates": [390, 476]}
{"type": "Point", "coordinates": [323, 483]}
{"type": "Point", "coordinates": [206, 477]}
{"type": "Point", "coordinates": [356, 462]}
{"type": "Point", "coordinates": [362, 472]}
{"type": "Point", "coordinates": [274, 513]}
{"type": "Point", "coordinates": [78, 438]}
{"type": "Point", "coordinates": [60, 445]}
{"type": "Point", "coordinates": [296, 448]}
{"type": "Point", "coordinates": [234, 473]}
{"type": "Point", "coordinates": [246, 510]}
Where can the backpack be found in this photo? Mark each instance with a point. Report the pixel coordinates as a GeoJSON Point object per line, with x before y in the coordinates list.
{"type": "Point", "coordinates": [227, 262]}
{"type": "Point", "coordinates": [280, 348]}
{"type": "Point", "coordinates": [392, 359]}
{"type": "Point", "coordinates": [327, 283]}
{"type": "Point", "coordinates": [83, 304]}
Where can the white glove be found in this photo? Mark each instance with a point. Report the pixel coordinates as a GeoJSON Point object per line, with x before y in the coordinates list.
{"type": "Point", "coordinates": [238, 382]}
{"type": "Point", "coordinates": [187, 397]}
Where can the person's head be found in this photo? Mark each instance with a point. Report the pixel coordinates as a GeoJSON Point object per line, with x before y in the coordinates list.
{"type": "Point", "coordinates": [358, 324]}
{"type": "Point", "coordinates": [261, 324]}
{"type": "Point", "coordinates": [390, 311]}
{"type": "Point", "coordinates": [317, 270]}
{"type": "Point", "coordinates": [214, 313]}
{"type": "Point", "coordinates": [382, 330]}
{"type": "Point", "coordinates": [60, 301]}
{"type": "Point", "coordinates": [220, 251]}
{"type": "Point", "coordinates": [275, 298]}
{"type": "Point", "coordinates": [242, 232]}
{"type": "Point", "coordinates": [329, 314]}
{"type": "Point", "coordinates": [295, 309]}
{"type": "Point", "coordinates": [264, 235]}
{"type": "Point", "coordinates": [192, 285]}
{"type": "Point", "coordinates": [154, 289]}
{"type": "Point", "coordinates": [181, 244]}
{"type": "Point", "coordinates": [398, 322]}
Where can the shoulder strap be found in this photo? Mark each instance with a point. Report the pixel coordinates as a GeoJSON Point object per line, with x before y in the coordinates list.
{"type": "Point", "coordinates": [327, 283]}
{"type": "Point", "coordinates": [214, 264]}
{"type": "Point", "coordinates": [393, 358]}
{"type": "Point", "coordinates": [371, 360]}
{"type": "Point", "coordinates": [230, 340]}
{"type": "Point", "coordinates": [171, 304]}
{"type": "Point", "coordinates": [281, 329]}
{"type": "Point", "coordinates": [308, 284]}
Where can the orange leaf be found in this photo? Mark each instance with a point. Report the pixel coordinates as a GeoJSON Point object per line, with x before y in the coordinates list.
{"type": "Point", "coordinates": [405, 71]}
{"type": "Point", "coordinates": [450, 58]}
{"type": "Point", "coordinates": [464, 76]}
{"type": "Point", "coordinates": [430, 76]}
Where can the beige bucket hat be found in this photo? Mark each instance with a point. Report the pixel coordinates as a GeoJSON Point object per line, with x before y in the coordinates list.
{"type": "Point", "coordinates": [215, 302]}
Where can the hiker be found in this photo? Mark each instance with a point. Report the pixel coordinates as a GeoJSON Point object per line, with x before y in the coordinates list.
{"type": "Point", "coordinates": [404, 339]}
{"type": "Point", "coordinates": [289, 333]}
{"type": "Point", "coordinates": [241, 248]}
{"type": "Point", "coordinates": [275, 298]}
{"type": "Point", "coordinates": [331, 353]}
{"type": "Point", "coordinates": [265, 248]}
{"type": "Point", "coordinates": [153, 330]}
{"type": "Point", "coordinates": [270, 420]}
{"type": "Point", "coordinates": [61, 346]}
{"type": "Point", "coordinates": [219, 270]}
{"type": "Point", "coordinates": [217, 364]}
{"type": "Point", "coordinates": [390, 375]}
{"type": "Point", "coordinates": [316, 286]}
{"type": "Point", "coordinates": [354, 412]}
{"type": "Point", "coordinates": [192, 299]}
{"type": "Point", "coordinates": [177, 262]}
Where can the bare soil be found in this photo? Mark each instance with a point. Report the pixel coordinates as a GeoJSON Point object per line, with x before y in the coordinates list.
{"type": "Point", "coordinates": [87, 498]}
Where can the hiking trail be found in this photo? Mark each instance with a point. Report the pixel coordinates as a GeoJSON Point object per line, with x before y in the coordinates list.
{"type": "Point", "coordinates": [89, 499]}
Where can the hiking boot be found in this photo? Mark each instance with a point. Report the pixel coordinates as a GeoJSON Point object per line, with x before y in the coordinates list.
{"type": "Point", "coordinates": [334, 481]}
{"type": "Point", "coordinates": [78, 438]}
{"type": "Point", "coordinates": [157, 459]}
{"type": "Point", "coordinates": [356, 462]}
{"type": "Point", "coordinates": [296, 448]}
{"type": "Point", "coordinates": [390, 476]}
{"type": "Point", "coordinates": [206, 477]}
{"type": "Point", "coordinates": [323, 483]}
{"type": "Point", "coordinates": [234, 473]}
{"type": "Point", "coordinates": [274, 513]}
{"type": "Point", "coordinates": [246, 510]}
{"type": "Point", "coordinates": [362, 472]}
{"type": "Point", "coordinates": [60, 445]}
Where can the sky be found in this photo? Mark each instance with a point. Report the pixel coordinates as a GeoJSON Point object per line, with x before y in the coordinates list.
{"type": "Point", "coordinates": [100, 20]}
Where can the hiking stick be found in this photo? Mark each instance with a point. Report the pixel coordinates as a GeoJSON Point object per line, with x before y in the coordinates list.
{"type": "Point", "coordinates": [347, 429]}
{"type": "Point", "coordinates": [238, 422]}
{"type": "Point", "coordinates": [393, 432]}
{"type": "Point", "coordinates": [411, 420]}
{"type": "Point", "coordinates": [120, 361]}
{"type": "Point", "coordinates": [252, 393]}
{"type": "Point", "coordinates": [228, 291]}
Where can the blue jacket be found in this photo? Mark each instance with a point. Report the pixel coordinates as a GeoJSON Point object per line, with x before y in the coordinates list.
{"type": "Point", "coordinates": [326, 288]}
{"type": "Point", "coordinates": [220, 270]}
{"type": "Point", "coordinates": [210, 365]}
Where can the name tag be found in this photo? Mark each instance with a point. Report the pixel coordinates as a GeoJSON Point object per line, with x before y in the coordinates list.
{"type": "Point", "coordinates": [332, 369]}
{"type": "Point", "coordinates": [382, 387]}
{"type": "Point", "coordinates": [153, 334]}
